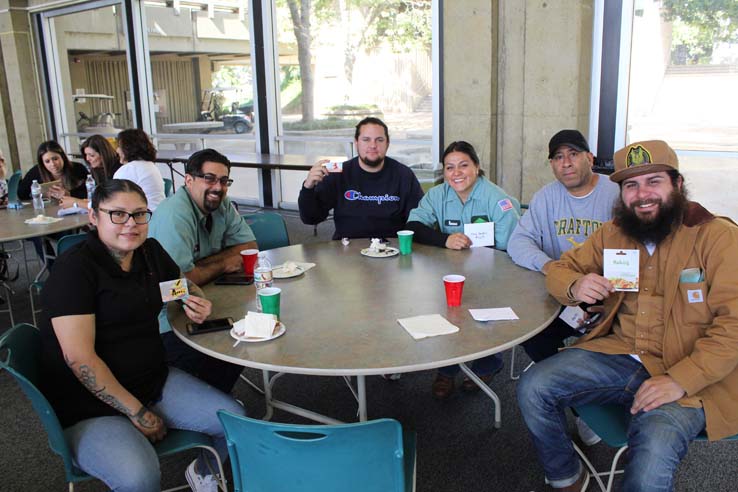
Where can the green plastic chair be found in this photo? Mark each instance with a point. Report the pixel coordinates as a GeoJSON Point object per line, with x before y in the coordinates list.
{"type": "Point", "coordinates": [21, 346]}
{"type": "Point", "coordinates": [269, 228]}
{"type": "Point", "coordinates": [372, 456]}
{"type": "Point", "coordinates": [168, 187]}
{"type": "Point", "coordinates": [611, 423]}
{"type": "Point", "coordinates": [13, 182]}
{"type": "Point", "coordinates": [64, 243]}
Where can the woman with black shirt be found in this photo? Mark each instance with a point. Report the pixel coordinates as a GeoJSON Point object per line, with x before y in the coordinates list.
{"type": "Point", "coordinates": [103, 367]}
{"type": "Point", "coordinates": [52, 164]}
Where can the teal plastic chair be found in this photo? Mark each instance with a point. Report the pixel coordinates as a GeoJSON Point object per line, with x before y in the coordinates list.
{"type": "Point", "coordinates": [20, 348]}
{"type": "Point", "coordinates": [13, 182]}
{"type": "Point", "coordinates": [269, 228]}
{"type": "Point", "coordinates": [64, 243]}
{"type": "Point", "coordinates": [168, 187]}
{"type": "Point", "coordinates": [370, 456]}
{"type": "Point", "coordinates": [611, 423]}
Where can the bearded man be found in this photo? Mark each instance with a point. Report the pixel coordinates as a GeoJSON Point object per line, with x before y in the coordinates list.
{"type": "Point", "coordinates": [371, 195]}
{"type": "Point", "coordinates": [204, 235]}
{"type": "Point", "coordinates": [665, 350]}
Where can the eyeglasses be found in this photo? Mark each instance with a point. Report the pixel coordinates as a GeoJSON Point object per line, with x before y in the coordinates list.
{"type": "Point", "coordinates": [211, 179]}
{"type": "Point", "coordinates": [121, 216]}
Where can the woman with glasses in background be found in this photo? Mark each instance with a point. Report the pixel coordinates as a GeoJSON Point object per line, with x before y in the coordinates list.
{"type": "Point", "coordinates": [137, 155]}
{"type": "Point", "coordinates": [102, 162]}
{"type": "Point", "coordinates": [103, 365]}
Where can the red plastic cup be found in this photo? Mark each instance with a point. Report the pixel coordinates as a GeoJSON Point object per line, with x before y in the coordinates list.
{"type": "Point", "coordinates": [454, 285]}
{"type": "Point", "coordinates": [249, 257]}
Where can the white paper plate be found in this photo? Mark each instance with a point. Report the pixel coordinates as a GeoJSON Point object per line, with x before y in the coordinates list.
{"type": "Point", "coordinates": [281, 273]}
{"type": "Point", "coordinates": [389, 251]}
{"type": "Point", "coordinates": [280, 331]}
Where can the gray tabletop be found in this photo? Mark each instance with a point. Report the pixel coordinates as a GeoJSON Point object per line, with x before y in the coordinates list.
{"type": "Point", "coordinates": [13, 226]}
{"type": "Point", "coordinates": [341, 316]}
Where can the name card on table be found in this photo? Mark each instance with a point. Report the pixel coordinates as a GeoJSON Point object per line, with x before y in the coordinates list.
{"type": "Point", "coordinates": [481, 234]}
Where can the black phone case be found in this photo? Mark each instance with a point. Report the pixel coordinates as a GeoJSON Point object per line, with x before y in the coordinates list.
{"type": "Point", "coordinates": [217, 325]}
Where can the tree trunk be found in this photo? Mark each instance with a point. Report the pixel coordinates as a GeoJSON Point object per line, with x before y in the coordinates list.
{"type": "Point", "coordinates": [301, 23]}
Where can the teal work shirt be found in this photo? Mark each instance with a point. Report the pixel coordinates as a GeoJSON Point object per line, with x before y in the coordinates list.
{"type": "Point", "coordinates": [180, 226]}
{"type": "Point", "coordinates": [441, 207]}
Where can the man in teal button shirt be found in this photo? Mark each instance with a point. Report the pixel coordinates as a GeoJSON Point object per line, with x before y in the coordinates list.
{"type": "Point", "coordinates": [203, 233]}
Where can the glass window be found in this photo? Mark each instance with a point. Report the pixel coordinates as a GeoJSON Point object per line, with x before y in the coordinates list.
{"type": "Point", "coordinates": [90, 89]}
{"type": "Point", "coordinates": [683, 74]}
{"type": "Point", "coordinates": [341, 61]}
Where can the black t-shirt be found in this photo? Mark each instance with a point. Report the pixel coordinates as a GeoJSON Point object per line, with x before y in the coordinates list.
{"type": "Point", "coordinates": [364, 204]}
{"type": "Point", "coordinates": [87, 280]}
{"type": "Point", "coordinates": [77, 178]}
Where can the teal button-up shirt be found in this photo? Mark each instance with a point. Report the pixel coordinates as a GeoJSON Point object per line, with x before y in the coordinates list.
{"type": "Point", "coordinates": [441, 207]}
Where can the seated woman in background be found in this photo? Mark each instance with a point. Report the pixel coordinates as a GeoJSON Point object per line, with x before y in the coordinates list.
{"type": "Point", "coordinates": [102, 161]}
{"type": "Point", "coordinates": [465, 197]}
{"type": "Point", "coordinates": [103, 366]}
{"type": "Point", "coordinates": [137, 153]}
{"type": "Point", "coordinates": [54, 165]}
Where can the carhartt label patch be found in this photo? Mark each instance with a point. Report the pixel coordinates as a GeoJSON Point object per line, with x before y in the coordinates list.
{"type": "Point", "coordinates": [695, 296]}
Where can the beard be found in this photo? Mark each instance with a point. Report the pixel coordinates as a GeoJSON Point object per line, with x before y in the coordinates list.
{"type": "Point", "coordinates": [651, 229]}
{"type": "Point", "coordinates": [211, 203]}
{"type": "Point", "coordinates": [372, 162]}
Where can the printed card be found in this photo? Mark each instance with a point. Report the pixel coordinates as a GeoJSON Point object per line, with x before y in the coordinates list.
{"type": "Point", "coordinates": [573, 316]}
{"type": "Point", "coordinates": [333, 167]}
{"type": "Point", "coordinates": [481, 234]}
{"type": "Point", "coordinates": [622, 268]}
{"type": "Point", "coordinates": [173, 289]}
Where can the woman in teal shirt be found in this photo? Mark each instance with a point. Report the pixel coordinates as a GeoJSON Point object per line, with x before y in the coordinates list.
{"type": "Point", "coordinates": [465, 197]}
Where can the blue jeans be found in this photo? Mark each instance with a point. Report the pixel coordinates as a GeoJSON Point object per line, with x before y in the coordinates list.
{"type": "Point", "coordinates": [481, 367]}
{"type": "Point", "coordinates": [657, 440]}
{"type": "Point", "coordinates": [113, 450]}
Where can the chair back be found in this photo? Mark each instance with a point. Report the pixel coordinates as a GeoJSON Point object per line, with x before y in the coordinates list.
{"type": "Point", "coordinates": [168, 186]}
{"type": "Point", "coordinates": [269, 228]}
{"type": "Point", "coordinates": [66, 242]}
{"type": "Point", "coordinates": [13, 183]}
{"type": "Point", "coordinates": [20, 350]}
{"type": "Point", "coordinates": [360, 457]}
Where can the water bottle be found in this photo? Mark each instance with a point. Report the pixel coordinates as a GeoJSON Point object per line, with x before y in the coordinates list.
{"type": "Point", "coordinates": [262, 276]}
{"type": "Point", "coordinates": [90, 185]}
{"type": "Point", "coordinates": [38, 200]}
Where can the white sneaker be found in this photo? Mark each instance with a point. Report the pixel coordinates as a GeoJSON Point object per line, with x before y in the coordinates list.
{"type": "Point", "coordinates": [395, 376]}
{"type": "Point", "coordinates": [586, 434]}
{"type": "Point", "coordinates": [197, 482]}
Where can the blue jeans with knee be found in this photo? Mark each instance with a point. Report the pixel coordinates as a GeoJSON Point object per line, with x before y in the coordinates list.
{"type": "Point", "coordinates": [657, 440]}
{"type": "Point", "coordinates": [113, 450]}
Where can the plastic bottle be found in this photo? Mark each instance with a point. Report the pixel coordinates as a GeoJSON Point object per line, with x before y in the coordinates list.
{"type": "Point", "coordinates": [262, 276]}
{"type": "Point", "coordinates": [90, 185]}
{"type": "Point", "coordinates": [38, 200]}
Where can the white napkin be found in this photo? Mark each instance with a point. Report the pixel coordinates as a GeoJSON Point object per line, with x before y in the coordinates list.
{"type": "Point", "coordinates": [42, 220]}
{"type": "Point", "coordinates": [493, 314]}
{"type": "Point", "coordinates": [428, 325]}
{"type": "Point", "coordinates": [255, 325]}
{"type": "Point", "coordinates": [299, 264]}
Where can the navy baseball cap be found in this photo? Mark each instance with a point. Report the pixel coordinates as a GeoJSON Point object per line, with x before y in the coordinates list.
{"type": "Point", "coordinates": [571, 138]}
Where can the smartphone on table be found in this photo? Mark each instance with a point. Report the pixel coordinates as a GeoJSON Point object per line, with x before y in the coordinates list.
{"type": "Point", "coordinates": [209, 326]}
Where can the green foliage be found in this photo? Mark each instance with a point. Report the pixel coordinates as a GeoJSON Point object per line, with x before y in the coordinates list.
{"type": "Point", "coordinates": [698, 25]}
{"type": "Point", "coordinates": [322, 124]}
{"type": "Point", "coordinates": [354, 107]}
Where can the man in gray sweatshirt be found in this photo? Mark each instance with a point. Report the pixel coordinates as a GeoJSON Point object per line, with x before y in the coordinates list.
{"type": "Point", "coordinates": [561, 216]}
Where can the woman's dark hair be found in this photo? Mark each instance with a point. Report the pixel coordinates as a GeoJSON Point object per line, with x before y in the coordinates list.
{"type": "Point", "coordinates": [68, 180]}
{"type": "Point", "coordinates": [196, 161]}
{"type": "Point", "coordinates": [371, 120]}
{"type": "Point", "coordinates": [464, 148]}
{"type": "Point", "coordinates": [105, 191]}
{"type": "Point", "coordinates": [136, 145]}
{"type": "Point", "coordinates": [110, 163]}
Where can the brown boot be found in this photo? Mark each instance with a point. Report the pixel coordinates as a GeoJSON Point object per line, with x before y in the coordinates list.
{"type": "Point", "coordinates": [580, 485]}
{"type": "Point", "coordinates": [443, 386]}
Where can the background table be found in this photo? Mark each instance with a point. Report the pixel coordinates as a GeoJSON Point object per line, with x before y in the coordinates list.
{"type": "Point", "coordinates": [13, 226]}
{"type": "Point", "coordinates": [341, 316]}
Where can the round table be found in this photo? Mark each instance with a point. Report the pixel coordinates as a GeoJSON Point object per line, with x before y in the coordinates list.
{"type": "Point", "coordinates": [341, 316]}
{"type": "Point", "coordinates": [13, 226]}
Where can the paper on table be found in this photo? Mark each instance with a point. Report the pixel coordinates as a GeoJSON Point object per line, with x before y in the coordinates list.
{"type": "Point", "coordinates": [71, 211]}
{"type": "Point", "coordinates": [305, 266]}
{"type": "Point", "coordinates": [428, 325]}
{"type": "Point", "coordinates": [42, 220]}
{"type": "Point", "coordinates": [255, 325]}
{"type": "Point", "coordinates": [493, 314]}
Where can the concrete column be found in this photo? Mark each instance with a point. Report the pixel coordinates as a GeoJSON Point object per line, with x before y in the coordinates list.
{"type": "Point", "coordinates": [23, 127]}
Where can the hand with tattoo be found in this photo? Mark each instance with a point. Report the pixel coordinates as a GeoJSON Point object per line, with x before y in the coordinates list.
{"type": "Point", "coordinates": [150, 424]}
